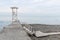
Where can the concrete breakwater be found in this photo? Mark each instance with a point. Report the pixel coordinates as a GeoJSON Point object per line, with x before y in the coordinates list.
{"type": "Point", "coordinates": [16, 32]}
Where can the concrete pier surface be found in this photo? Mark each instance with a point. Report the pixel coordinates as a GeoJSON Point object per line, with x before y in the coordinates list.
{"type": "Point", "coordinates": [14, 31]}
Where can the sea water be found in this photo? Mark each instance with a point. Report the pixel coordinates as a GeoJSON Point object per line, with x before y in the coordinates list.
{"type": "Point", "coordinates": [3, 24]}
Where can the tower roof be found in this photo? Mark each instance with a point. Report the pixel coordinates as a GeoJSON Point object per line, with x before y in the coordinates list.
{"type": "Point", "coordinates": [14, 7]}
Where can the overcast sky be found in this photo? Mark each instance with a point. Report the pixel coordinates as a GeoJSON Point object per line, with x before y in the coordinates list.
{"type": "Point", "coordinates": [32, 11]}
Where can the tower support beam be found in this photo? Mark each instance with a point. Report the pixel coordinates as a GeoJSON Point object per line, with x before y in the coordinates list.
{"type": "Point", "coordinates": [14, 14]}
